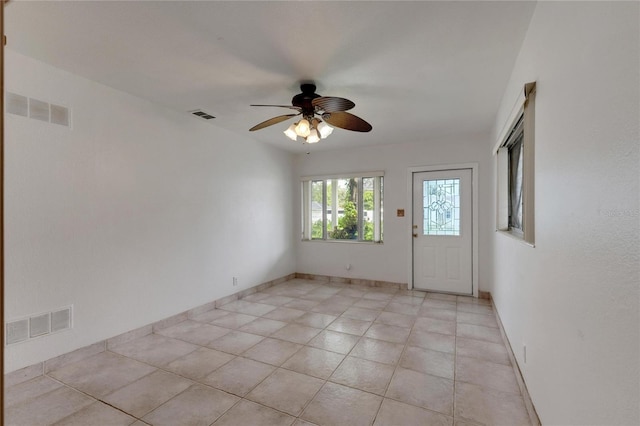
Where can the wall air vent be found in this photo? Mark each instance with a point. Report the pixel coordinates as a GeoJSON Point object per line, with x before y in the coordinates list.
{"type": "Point", "coordinates": [60, 115]}
{"type": "Point", "coordinates": [17, 331]}
{"type": "Point", "coordinates": [17, 104]}
{"type": "Point", "coordinates": [38, 325]}
{"type": "Point", "coordinates": [202, 115]}
{"type": "Point", "coordinates": [61, 320]}
{"type": "Point", "coordinates": [38, 110]}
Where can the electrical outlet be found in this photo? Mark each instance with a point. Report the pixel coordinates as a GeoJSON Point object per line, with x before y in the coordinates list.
{"type": "Point", "coordinates": [235, 281]}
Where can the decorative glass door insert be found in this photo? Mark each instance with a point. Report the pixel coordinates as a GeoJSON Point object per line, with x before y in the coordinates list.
{"type": "Point", "coordinates": [441, 207]}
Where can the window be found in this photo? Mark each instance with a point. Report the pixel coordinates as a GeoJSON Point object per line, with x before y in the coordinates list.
{"type": "Point", "coordinates": [338, 208]}
{"type": "Point", "coordinates": [515, 156]}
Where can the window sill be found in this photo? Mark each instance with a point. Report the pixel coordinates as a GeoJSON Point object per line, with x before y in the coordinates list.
{"type": "Point", "coordinates": [518, 236]}
{"type": "Point", "coordinates": [370, 243]}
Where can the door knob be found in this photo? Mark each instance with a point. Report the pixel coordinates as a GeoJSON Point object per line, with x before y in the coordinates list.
{"type": "Point", "coordinates": [415, 235]}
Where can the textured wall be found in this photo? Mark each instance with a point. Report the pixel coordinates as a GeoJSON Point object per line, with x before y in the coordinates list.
{"type": "Point", "coordinates": [135, 214]}
{"type": "Point", "coordinates": [573, 299]}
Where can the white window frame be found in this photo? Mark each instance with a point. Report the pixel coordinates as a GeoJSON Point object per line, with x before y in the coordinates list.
{"type": "Point", "coordinates": [307, 223]}
{"type": "Point", "coordinates": [525, 109]}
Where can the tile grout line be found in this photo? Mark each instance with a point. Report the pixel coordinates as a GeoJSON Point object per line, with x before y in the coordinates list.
{"type": "Point", "coordinates": [343, 359]}
{"type": "Point", "coordinates": [304, 345]}
{"type": "Point", "coordinates": [284, 362]}
{"type": "Point", "coordinates": [395, 368]}
{"type": "Point", "coordinates": [161, 368]}
{"type": "Point", "coordinates": [94, 398]}
{"type": "Point", "coordinates": [345, 356]}
{"type": "Point", "coordinates": [327, 380]}
{"type": "Point", "coordinates": [196, 382]}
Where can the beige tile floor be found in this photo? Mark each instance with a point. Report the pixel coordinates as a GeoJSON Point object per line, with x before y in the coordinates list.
{"type": "Point", "coordinates": [299, 353]}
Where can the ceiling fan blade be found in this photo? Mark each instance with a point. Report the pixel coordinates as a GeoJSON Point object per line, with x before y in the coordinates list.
{"type": "Point", "coordinates": [332, 103]}
{"type": "Point", "coordinates": [347, 121]}
{"type": "Point", "coordinates": [280, 106]}
{"type": "Point", "coordinates": [272, 121]}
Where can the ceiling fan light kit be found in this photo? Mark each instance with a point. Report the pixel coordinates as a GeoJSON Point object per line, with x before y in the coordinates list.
{"type": "Point", "coordinates": [291, 132]}
{"type": "Point", "coordinates": [309, 104]}
{"type": "Point", "coordinates": [311, 132]}
{"type": "Point", "coordinates": [313, 137]}
{"type": "Point", "coordinates": [324, 129]}
{"type": "Point", "coordinates": [303, 128]}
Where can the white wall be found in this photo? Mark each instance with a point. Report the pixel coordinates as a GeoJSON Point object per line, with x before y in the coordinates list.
{"type": "Point", "coordinates": [389, 261]}
{"type": "Point", "coordinates": [573, 299]}
{"type": "Point", "coordinates": [136, 214]}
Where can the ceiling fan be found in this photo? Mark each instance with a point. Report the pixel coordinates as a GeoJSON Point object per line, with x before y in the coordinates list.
{"type": "Point", "coordinates": [310, 105]}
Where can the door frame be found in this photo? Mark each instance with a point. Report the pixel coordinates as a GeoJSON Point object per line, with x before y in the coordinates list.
{"type": "Point", "coordinates": [474, 216]}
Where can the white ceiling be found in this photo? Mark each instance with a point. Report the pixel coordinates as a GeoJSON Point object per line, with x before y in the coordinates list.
{"type": "Point", "coordinates": [417, 71]}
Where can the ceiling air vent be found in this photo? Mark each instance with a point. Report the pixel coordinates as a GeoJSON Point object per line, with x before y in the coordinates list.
{"type": "Point", "coordinates": [201, 114]}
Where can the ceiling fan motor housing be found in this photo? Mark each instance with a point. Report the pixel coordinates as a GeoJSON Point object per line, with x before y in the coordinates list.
{"type": "Point", "coordinates": [304, 99]}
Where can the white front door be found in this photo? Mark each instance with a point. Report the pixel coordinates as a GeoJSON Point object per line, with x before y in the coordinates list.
{"type": "Point", "coordinates": [442, 231]}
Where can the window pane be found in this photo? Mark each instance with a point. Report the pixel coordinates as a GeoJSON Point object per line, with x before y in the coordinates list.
{"type": "Point", "coordinates": [441, 206]}
{"type": "Point", "coordinates": [381, 208]}
{"type": "Point", "coordinates": [515, 183]}
{"type": "Point", "coordinates": [347, 212]}
{"type": "Point", "coordinates": [368, 208]}
{"type": "Point", "coordinates": [330, 202]}
{"type": "Point", "coordinates": [316, 209]}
